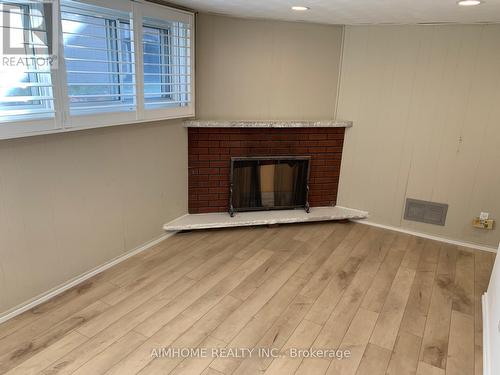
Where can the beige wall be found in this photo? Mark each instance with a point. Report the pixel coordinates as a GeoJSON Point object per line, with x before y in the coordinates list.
{"type": "Point", "coordinates": [425, 105]}
{"type": "Point", "coordinates": [254, 69]}
{"type": "Point", "coordinates": [71, 202]}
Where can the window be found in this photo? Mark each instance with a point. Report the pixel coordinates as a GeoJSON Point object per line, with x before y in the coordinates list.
{"type": "Point", "coordinates": [99, 59]}
{"type": "Point", "coordinates": [119, 61]}
{"type": "Point", "coordinates": [166, 64]}
{"type": "Point", "coordinates": [26, 88]}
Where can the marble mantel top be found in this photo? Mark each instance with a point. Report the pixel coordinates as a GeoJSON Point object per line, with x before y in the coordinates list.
{"type": "Point", "coordinates": [267, 124]}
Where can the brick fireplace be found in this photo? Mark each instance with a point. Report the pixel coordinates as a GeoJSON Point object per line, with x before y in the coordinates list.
{"type": "Point", "coordinates": [211, 148]}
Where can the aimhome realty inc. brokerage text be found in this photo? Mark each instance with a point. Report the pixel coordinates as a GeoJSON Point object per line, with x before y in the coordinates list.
{"type": "Point", "coordinates": [221, 352]}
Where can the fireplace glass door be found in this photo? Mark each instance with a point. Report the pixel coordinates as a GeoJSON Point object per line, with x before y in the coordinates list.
{"type": "Point", "coordinates": [269, 183]}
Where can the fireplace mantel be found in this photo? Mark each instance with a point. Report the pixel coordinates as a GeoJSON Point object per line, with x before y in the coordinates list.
{"type": "Point", "coordinates": [267, 124]}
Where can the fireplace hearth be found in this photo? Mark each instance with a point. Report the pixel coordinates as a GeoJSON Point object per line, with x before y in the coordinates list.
{"type": "Point", "coordinates": [269, 166]}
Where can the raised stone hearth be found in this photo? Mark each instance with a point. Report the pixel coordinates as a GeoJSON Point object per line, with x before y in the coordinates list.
{"type": "Point", "coordinates": [223, 220]}
{"type": "Point", "coordinates": [212, 144]}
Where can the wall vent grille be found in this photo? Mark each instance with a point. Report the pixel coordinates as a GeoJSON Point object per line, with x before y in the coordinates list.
{"type": "Point", "coordinates": [425, 212]}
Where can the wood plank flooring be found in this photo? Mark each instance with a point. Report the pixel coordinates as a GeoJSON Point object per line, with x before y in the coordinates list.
{"type": "Point", "coordinates": [399, 304]}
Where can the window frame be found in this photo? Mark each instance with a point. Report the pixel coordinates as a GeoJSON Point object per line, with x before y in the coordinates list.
{"type": "Point", "coordinates": [164, 66]}
{"type": "Point", "coordinates": [150, 10]}
{"type": "Point", "coordinates": [14, 126]}
{"type": "Point", "coordinates": [64, 121]}
{"type": "Point", "coordinates": [35, 80]}
{"type": "Point", "coordinates": [102, 119]}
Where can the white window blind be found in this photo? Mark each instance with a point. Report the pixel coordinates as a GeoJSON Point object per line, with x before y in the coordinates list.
{"type": "Point", "coordinates": [167, 63]}
{"type": "Point", "coordinates": [118, 62]}
{"type": "Point", "coordinates": [26, 91]}
{"type": "Point", "coordinates": [99, 59]}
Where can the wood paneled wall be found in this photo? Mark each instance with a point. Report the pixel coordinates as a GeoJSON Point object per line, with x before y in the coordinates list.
{"type": "Point", "coordinates": [425, 101]}
{"type": "Point", "coordinates": [72, 202]}
{"type": "Point", "coordinates": [265, 69]}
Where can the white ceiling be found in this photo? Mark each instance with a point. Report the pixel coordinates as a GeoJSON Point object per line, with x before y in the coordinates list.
{"type": "Point", "coordinates": [351, 12]}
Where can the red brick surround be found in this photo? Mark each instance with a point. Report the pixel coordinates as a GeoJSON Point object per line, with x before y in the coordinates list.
{"type": "Point", "coordinates": [211, 149]}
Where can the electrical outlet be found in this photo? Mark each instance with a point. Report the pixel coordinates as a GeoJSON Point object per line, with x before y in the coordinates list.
{"type": "Point", "coordinates": [484, 216]}
{"type": "Point", "coordinates": [483, 224]}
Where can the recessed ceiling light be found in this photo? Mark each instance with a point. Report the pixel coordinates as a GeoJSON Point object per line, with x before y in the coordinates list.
{"type": "Point", "coordinates": [299, 8]}
{"type": "Point", "coordinates": [469, 3]}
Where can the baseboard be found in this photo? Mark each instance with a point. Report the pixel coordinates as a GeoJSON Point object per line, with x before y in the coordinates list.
{"type": "Point", "coordinates": [486, 336]}
{"type": "Point", "coordinates": [429, 236]}
{"type": "Point", "coordinates": [9, 314]}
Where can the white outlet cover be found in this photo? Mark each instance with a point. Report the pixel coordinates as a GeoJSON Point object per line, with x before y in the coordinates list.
{"type": "Point", "coordinates": [484, 216]}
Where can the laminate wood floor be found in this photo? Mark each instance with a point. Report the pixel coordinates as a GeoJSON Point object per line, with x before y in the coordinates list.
{"type": "Point", "coordinates": [397, 304]}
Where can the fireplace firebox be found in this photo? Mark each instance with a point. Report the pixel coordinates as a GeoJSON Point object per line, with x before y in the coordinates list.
{"type": "Point", "coordinates": [269, 183]}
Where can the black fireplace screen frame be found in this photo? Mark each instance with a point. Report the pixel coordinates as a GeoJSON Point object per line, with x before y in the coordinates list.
{"type": "Point", "coordinates": [284, 159]}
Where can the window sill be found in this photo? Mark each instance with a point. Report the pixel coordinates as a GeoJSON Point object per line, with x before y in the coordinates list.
{"type": "Point", "coordinates": [15, 133]}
